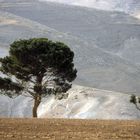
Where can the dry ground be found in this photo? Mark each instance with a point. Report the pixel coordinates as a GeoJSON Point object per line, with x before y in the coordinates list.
{"type": "Point", "coordinates": [62, 129]}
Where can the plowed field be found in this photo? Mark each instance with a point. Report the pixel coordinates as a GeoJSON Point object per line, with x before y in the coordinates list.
{"type": "Point", "coordinates": [62, 129]}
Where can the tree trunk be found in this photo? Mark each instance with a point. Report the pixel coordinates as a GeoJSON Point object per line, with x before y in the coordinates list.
{"type": "Point", "coordinates": [37, 101]}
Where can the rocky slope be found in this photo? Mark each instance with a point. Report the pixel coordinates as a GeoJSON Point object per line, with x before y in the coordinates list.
{"type": "Point", "coordinates": [106, 46]}
{"type": "Point", "coordinates": [82, 102]}
{"type": "Point", "coordinates": [89, 103]}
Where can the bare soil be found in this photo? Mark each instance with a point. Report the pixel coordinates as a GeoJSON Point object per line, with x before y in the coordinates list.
{"type": "Point", "coordinates": [63, 129]}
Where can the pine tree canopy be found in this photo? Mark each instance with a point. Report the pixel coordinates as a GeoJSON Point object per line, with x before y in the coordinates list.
{"type": "Point", "coordinates": [37, 66]}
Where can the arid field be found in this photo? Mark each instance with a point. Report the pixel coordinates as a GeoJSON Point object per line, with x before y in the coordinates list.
{"type": "Point", "coordinates": [62, 129]}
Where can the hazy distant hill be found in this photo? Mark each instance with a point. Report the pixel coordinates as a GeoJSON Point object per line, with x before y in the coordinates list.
{"type": "Point", "coordinates": [102, 41]}
{"type": "Point", "coordinates": [128, 6]}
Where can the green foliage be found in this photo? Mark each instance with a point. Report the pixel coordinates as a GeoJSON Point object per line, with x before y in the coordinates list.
{"type": "Point", "coordinates": [39, 67]}
{"type": "Point", "coordinates": [44, 64]}
{"type": "Point", "coordinates": [133, 99]}
{"type": "Point", "coordinates": [10, 88]}
{"type": "Point", "coordinates": [35, 59]}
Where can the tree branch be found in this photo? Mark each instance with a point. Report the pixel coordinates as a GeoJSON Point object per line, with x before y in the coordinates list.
{"type": "Point", "coordinates": [137, 107]}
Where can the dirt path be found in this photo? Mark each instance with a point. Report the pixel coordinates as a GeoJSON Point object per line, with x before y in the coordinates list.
{"type": "Point", "coordinates": [61, 129]}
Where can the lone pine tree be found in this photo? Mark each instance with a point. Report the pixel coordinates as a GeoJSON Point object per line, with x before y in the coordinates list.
{"type": "Point", "coordinates": [37, 67]}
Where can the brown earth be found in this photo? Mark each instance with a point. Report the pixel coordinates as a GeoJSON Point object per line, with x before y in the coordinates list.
{"type": "Point", "coordinates": [62, 129]}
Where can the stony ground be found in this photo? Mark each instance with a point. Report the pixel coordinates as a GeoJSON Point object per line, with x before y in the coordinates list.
{"type": "Point", "coordinates": [61, 129]}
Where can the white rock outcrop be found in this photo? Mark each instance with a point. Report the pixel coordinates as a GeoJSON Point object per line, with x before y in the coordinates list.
{"type": "Point", "coordinates": [90, 103]}
{"type": "Point", "coordinates": [82, 103]}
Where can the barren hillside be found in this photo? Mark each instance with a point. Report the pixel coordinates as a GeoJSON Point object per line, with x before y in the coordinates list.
{"type": "Point", "coordinates": [101, 40]}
